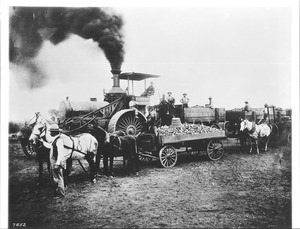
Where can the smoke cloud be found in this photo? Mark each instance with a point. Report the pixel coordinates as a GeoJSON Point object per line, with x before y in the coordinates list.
{"type": "Point", "coordinates": [30, 26]}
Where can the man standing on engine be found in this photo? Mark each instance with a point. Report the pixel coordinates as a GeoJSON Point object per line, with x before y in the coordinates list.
{"type": "Point", "coordinates": [132, 105]}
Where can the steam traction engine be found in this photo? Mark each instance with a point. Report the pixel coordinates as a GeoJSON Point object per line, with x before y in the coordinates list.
{"type": "Point", "coordinates": [114, 115]}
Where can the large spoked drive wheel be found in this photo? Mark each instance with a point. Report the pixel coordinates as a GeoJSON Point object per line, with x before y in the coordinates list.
{"type": "Point", "coordinates": [168, 156]}
{"type": "Point", "coordinates": [215, 149]}
{"type": "Point", "coordinates": [28, 148]}
{"type": "Point", "coordinates": [127, 121]}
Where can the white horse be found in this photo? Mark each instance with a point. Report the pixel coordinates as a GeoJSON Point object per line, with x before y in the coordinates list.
{"type": "Point", "coordinates": [83, 146]}
{"type": "Point", "coordinates": [39, 138]}
{"type": "Point", "coordinates": [256, 132]}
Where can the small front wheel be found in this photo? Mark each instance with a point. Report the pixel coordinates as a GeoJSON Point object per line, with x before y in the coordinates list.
{"type": "Point", "coordinates": [28, 148]}
{"type": "Point", "coordinates": [168, 156]}
{"type": "Point", "coordinates": [215, 149]}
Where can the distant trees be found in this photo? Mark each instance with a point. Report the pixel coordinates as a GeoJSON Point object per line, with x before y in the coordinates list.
{"type": "Point", "coordinates": [53, 114]}
{"type": "Point", "coordinates": [14, 127]}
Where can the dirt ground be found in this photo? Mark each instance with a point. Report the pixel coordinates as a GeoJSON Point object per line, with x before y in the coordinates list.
{"type": "Point", "coordinates": [239, 191]}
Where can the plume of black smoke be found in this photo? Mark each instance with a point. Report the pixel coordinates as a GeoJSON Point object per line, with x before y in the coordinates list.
{"type": "Point", "coordinates": [30, 26]}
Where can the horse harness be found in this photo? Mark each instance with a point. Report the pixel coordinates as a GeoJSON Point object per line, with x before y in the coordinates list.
{"type": "Point", "coordinates": [73, 148]}
{"type": "Point", "coordinates": [253, 129]}
{"type": "Point", "coordinates": [119, 147]}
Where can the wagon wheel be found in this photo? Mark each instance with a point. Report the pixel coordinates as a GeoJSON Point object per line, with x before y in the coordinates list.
{"type": "Point", "coordinates": [168, 156]}
{"type": "Point", "coordinates": [289, 139]}
{"type": "Point", "coordinates": [28, 148]}
{"type": "Point", "coordinates": [215, 149]}
{"type": "Point", "coordinates": [126, 121]}
{"type": "Point", "coordinates": [275, 129]}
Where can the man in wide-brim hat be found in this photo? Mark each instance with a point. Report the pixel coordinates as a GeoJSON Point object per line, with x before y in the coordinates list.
{"type": "Point", "coordinates": [184, 100]}
{"type": "Point", "coordinates": [56, 147]}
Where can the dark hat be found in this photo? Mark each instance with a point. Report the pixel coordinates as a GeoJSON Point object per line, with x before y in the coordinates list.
{"type": "Point", "coordinates": [209, 97]}
{"type": "Point", "coordinates": [54, 127]}
{"type": "Point", "coordinates": [246, 101]}
{"type": "Point", "coordinates": [169, 92]}
{"type": "Point", "coordinates": [184, 94]}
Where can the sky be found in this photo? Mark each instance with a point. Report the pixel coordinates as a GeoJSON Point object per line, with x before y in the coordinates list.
{"type": "Point", "coordinates": [232, 54]}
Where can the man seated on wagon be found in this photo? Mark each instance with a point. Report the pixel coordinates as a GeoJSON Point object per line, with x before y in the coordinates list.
{"type": "Point", "coordinates": [247, 106]}
{"type": "Point", "coordinates": [265, 118]}
{"type": "Point", "coordinates": [151, 124]}
{"type": "Point", "coordinates": [210, 103]}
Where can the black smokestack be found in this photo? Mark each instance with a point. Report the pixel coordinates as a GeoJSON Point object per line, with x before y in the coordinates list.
{"type": "Point", "coordinates": [30, 26]}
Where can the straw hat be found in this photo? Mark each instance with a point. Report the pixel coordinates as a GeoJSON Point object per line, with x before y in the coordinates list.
{"type": "Point", "coordinates": [54, 127]}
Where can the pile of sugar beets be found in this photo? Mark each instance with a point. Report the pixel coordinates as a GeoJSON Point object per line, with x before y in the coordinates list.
{"type": "Point", "coordinates": [186, 129]}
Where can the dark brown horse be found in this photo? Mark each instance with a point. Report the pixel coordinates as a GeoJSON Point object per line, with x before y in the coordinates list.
{"type": "Point", "coordinates": [122, 146]}
{"type": "Point", "coordinates": [103, 146]}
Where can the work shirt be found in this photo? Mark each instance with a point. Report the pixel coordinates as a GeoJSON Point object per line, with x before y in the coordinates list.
{"type": "Point", "coordinates": [184, 100]}
{"type": "Point", "coordinates": [57, 150]}
{"type": "Point", "coordinates": [132, 104]}
{"type": "Point", "coordinates": [170, 99]}
{"type": "Point", "coordinates": [247, 108]}
{"type": "Point", "coordinates": [150, 90]}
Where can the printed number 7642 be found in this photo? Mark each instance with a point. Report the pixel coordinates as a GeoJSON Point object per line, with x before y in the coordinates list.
{"type": "Point", "coordinates": [19, 225]}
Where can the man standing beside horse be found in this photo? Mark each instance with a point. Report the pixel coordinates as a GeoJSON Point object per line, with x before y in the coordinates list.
{"type": "Point", "coordinates": [57, 160]}
{"type": "Point", "coordinates": [65, 149]}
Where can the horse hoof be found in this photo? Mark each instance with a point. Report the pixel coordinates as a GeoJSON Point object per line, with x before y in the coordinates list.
{"type": "Point", "coordinates": [94, 181]}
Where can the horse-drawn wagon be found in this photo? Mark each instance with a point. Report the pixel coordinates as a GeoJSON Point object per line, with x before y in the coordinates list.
{"type": "Point", "coordinates": [234, 116]}
{"type": "Point", "coordinates": [181, 138]}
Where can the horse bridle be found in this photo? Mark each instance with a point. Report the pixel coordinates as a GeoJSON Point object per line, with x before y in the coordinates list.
{"type": "Point", "coordinates": [39, 136]}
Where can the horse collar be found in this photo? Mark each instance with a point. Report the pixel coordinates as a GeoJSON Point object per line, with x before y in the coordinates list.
{"type": "Point", "coordinates": [253, 128]}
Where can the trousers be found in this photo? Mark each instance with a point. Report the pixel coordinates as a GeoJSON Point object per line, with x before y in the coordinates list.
{"type": "Point", "coordinates": [58, 179]}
